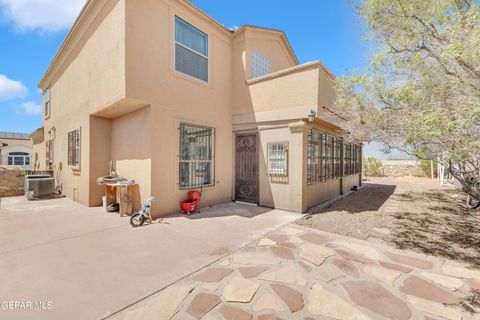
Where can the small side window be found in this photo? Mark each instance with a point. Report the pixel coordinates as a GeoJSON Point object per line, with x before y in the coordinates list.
{"type": "Point", "coordinates": [277, 159]}
{"type": "Point", "coordinates": [49, 148]}
{"type": "Point", "coordinates": [261, 65]}
{"type": "Point", "coordinates": [46, 102]}
{"type": "Point", "coordinates": [74, 148]}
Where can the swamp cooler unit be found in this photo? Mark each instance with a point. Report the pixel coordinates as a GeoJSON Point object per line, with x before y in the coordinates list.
{"type": "Point", "coordinates": [39, 186]}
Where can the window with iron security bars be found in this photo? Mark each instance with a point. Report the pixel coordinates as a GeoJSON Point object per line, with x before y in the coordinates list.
{"type": "Point", "coordinates": [74, 148]}
{"type": "Point", "coordinates": [327, 157]}
{"type": "Point", "coordinates": [347, 166]}
{"type": "Point", "coordinates": [357, 159]}
{"type": "Point", "coordinates": [314, 159]}
{"type": "Point", "coordinates": [196, 167]}
{"type": "Point", "coordinates": [277, 157]}
{"type": "Point", "coordinates": [337, 157]}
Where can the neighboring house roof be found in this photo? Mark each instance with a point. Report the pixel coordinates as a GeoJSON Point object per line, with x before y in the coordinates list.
{"type": "Point", "coordinates": [14, 136]}
{"type": "Point", "coordinates": [90, 3]}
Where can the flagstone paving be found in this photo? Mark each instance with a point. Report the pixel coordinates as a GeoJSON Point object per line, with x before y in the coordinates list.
{"type": "Point", "coordinates": [305, 274]}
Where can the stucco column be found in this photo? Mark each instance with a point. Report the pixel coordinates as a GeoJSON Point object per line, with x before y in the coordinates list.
{"type": "Point", "coordinates": [298, 166]}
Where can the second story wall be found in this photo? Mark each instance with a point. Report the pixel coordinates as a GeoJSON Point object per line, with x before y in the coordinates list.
{"type": "Point", "coordinates": [151, 73]}
{"type": "Point", "coordinates": [256, 52]}
{"type": "Point", "coordinates": [87, 74]}
{"type": "Point", "coordinates": [290, 94]}
{"type": "Point", "coordinates": [269, 46]}
{"type": "Point", "coordinates": [89, 70]}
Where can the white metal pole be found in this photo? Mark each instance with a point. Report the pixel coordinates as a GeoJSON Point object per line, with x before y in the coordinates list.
{"type": "Point", "coordinates": [431, 170]}
{"type": "Point", "coordinates": [438, 171]}
{"type": "Point", "coordinates": [442, 175]}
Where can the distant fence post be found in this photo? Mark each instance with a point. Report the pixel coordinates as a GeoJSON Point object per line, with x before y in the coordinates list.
{"type": "Point", "coordinates": [431, 170]}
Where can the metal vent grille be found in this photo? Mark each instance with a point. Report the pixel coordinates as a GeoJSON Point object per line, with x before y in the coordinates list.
{"type": "Point", "coordinates": [39, 187]}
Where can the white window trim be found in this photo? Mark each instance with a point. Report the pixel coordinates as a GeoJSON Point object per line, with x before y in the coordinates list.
{"type": "Point", "coordinates": [195, 52]}
{"type": "Point", "coordinates": [24, 157]}
{"type": "Point", "coordinates": [47, 98]}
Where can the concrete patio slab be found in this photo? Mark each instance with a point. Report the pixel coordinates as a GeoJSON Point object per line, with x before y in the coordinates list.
{"type": "Point", "coordinates": [89, 264]}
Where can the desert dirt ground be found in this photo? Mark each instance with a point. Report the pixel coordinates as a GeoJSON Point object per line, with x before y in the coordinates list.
{"type": "Point", "coordinates": [407, 213]}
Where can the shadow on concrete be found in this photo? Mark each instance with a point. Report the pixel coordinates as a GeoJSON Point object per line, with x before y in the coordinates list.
{"type": "Point", "coordinates": [226, 210]}
{"type": "Point", "coordinates": [369, 198]}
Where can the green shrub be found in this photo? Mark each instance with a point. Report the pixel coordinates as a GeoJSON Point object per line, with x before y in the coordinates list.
{"type": "Point", "coordinates": [372, 167]}
{"type": "Point", "coordinates": [425, 165]}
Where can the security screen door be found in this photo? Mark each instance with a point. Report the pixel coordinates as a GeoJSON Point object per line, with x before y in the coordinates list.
{"type": "Point", "coordinates": [246, 168]}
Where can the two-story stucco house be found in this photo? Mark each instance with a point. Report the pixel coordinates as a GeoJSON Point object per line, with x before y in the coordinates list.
{"type": "Point", "coordinates": [174, 100]}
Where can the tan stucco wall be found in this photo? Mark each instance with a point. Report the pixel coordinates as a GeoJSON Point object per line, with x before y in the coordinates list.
{"type": "Point", "coordinates": [94, 76]}
{"type": "Point", "coordinates": [39, 151]}
{"type": "Point", "coordinates": [270, 45]}
{"type": "Point", "coordinates": [100, 150]}
{"type": "Point", "coordinates": [131, 149]}
{"type": "Point", "coordinates": [275, 192]}
{"type": "Point", "coordinates": [292, 90]}
{"type": "Point", "coordinates": [176, 98]}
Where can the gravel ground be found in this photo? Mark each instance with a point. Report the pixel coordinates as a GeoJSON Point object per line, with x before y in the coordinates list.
{"type": "Point", "coordinates": [408, 213]}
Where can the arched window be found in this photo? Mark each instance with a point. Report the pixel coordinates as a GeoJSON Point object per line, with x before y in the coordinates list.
{"type": "Point", "coordinates": [18, 159]}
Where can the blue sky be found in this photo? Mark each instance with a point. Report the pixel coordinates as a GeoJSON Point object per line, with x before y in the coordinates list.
{"type": "Point", "coordinates": [31, 31]}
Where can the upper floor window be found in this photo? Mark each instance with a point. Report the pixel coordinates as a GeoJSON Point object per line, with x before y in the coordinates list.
{"type": "Point", "coordinates": [46, 102]}
{"type": "Point", "coordinates": [191, 50]}
{"type": "Point", "coordinates": [261, 65]}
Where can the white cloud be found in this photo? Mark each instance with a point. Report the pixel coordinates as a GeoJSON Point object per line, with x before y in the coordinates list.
{"type": "Point", "coordinates": [31, 108]}
{"type": "Point", "coordinates": [11, 89]}
{"type": "Point", "coordinates": [45, 15]}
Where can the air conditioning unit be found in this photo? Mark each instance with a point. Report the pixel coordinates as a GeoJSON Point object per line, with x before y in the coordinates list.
{"type": "Point", "coordinates": [39, 186]}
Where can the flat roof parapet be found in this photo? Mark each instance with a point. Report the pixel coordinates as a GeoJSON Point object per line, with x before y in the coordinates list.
{"type": "Point", "coordinates": [14, 135]}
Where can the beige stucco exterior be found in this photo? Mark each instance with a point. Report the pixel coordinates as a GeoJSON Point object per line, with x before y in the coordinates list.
{"type": "Point", "coordinates": [15, 143]}
{"type": "Point", "coordinates": [114, 78]}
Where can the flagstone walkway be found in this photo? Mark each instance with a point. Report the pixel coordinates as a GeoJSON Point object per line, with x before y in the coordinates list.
{"type": "Point", "coordinates": [301, 273]}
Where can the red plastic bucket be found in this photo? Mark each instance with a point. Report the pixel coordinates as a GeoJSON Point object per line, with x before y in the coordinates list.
{"type": "Point", "coordinates": [194, 195]}
{"type": "Point", "coordinates": [189, 206]}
